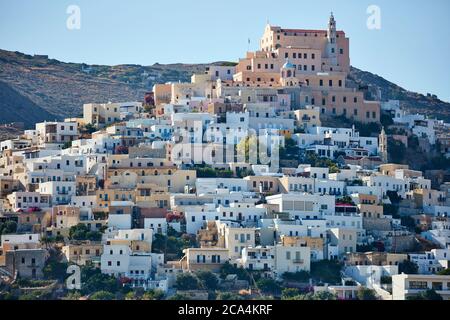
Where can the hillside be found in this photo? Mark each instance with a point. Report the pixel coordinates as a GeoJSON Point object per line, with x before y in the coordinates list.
{"type": "Point", "coordinates": [57, 89]}
{"type": "Point", "coordinates": [414, 102]}
{"type": "Point", "coordinates": [36, 88]}
{"type": "Point", "coordinates": [16, 107]}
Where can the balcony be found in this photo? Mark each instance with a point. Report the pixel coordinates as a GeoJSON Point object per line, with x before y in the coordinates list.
{"type": "Point", "coordinates": [298, 261]}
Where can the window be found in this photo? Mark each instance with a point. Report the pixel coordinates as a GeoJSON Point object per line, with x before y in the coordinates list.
{"type": "Point", "coordinates": [418, 285]}
{"type": "Point", "coordinates": [288, 255]}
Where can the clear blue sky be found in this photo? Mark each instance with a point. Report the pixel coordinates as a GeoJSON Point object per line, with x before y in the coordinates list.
{"type": "Point", "coordinates": [411, 49]}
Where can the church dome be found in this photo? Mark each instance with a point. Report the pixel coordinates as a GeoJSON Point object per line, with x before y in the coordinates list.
{"type": "Point", "coordinates": [288, 65]}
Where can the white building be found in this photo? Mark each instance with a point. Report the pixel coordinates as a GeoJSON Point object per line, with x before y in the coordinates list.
{"type": "Point", "coordinates": [410, 285]}
{"type": "Point", "coordinates": [431, 262]}
{"type": "Point", "coordinates": [303, 205]}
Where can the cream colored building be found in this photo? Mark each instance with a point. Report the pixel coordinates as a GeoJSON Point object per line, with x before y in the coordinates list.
{"type": "Point", "coordinates": [410, 285]}
{"type": "Point", "coordinates": [344, 240]}
{"type": "Point", "coordinates": [81, 253]}
{"type": "Point", "coordinates": [235, 239]}
{"type": "Point", "coordinates": [101, 114]}
{"type": "Point", "coordinates": [291, 258]}
{"type": "Point", "coordinates": [204, 259]}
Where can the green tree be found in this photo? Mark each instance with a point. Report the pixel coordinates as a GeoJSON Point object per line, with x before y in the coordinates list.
{"type": "Point", "coordinates": [93, 280]}
{"type": "Point", "coordinates": [55, 270]}
{"type": "Point", "coordinates": [208, 280]}
{"type": "Point", "coordinates": [81, 232]}
{"type": "Point", "coordinates": [368, 129]}
{"type": "Point", "coordinates": [93, 236]}
{"type": "Point", "coordinates": [327, 271]}
{"type": "Point", "coordinates": [156, 294]}
{"type": "Point", "coordinates": [408, 267]}
{"type": "Point", "coordinates": [408, 222]}
{"type": "Point", "coordinates": [268, 286]}
{"type": "Point", "coordinates": [290, 150]}
{"type": "Point", "coordinates": [301, 276]}
{"type": "Point", "coordinates": [8, 227]}
{"type": "Point", "coordinates": [397, 151]}
{"type": "Point", "coordinates": [89, 129]}
{"type": "Point", "coordinates": [445, 272]}
{"type": "Point", "coordinates": [174, 244]}
{"type": "Point", "coordinates": [227, 269]}
{"type": "Point", "coordinates": [366, 294]}
{"type": "Point", "coordinates": [186, 281]}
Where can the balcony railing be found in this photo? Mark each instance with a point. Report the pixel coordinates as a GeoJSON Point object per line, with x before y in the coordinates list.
{"type": "Point", "coordinates": [298, 261]}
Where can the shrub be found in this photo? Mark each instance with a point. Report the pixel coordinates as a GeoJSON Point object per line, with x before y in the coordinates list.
{"type": "Point", "coordinates": [102, 295]}
{"type": "Point", "coordinates": [228, 296]}
{"type": "Point", "coordinates": [289, 293]}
